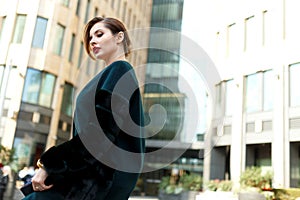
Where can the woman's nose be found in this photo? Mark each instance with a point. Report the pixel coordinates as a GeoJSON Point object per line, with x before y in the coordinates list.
{"type": "Point", "coordinates": [92, 42]}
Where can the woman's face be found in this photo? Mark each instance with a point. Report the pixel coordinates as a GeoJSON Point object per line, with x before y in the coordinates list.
{"type": "Point", "coordinates": [102, 42]}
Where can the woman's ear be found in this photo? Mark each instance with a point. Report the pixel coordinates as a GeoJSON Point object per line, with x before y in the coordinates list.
{"type": "Point", "coordinates": [120, 37]}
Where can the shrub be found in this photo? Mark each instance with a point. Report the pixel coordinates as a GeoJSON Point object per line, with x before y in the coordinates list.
{"type": "Point", "coordinates": [217, 185]}
{"type": "Point", "coordinates": [286, 194]}
{"type": "Point", "coordinates": [253, 177]}
{"type": "Point", "coordinates": [176, 185]}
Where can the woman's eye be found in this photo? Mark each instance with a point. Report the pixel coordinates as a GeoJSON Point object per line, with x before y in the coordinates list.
{"type": "Point", "coordinates": [99, 34]}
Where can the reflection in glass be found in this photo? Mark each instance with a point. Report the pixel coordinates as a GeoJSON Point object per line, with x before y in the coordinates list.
{"type": "Point", "coordinates": [294, 85]}
{"type": "Point", "coordinates": [39, 32]}
{"type": "Point", "coordinates": [58, 43]}
{"type": "Point", "coordinates": [46, 91]}
{"type": "Point", "coordinates": [268, 90]}
{"type": "Point", "coordinates": [19, 28]}
{"type": "Point", "coordinates": [67, 101]}
{"type": "Point", "coordinates": [38, 88]}
{"type": "Point", "coordinates": [253, 93]}
{"type": "Point", "coordinates": [230, 98]}
{"type": "Point", "coordinates": [31, 87]}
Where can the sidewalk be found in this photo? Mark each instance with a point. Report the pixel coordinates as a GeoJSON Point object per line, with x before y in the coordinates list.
{"type": "Point", "coordinates": [18, 196]}
{"type": "Point", "coordinates": [143, 198]}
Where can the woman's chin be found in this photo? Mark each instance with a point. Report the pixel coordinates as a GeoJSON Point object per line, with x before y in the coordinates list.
{"type": "Point", "coordinates": [98, 56]}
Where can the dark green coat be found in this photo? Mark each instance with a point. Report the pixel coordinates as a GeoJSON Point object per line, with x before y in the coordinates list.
{"type": "Point", "coordinates": [105, 155]}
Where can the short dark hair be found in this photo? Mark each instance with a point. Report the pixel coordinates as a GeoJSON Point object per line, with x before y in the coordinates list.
{"type": "Point", "coordinates": [114, 25]}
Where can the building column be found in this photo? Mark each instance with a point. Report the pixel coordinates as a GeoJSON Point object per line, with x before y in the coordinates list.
{"type": "Point", "coordinates": [280, 149]}
{"type": "Point", "coordinates": [280, 143]}
{"type": "Point", "coordinates": [238, 143]}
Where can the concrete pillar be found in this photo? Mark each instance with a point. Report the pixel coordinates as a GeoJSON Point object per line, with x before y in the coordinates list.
{"type": "Point", "coordinates": [238, 146]}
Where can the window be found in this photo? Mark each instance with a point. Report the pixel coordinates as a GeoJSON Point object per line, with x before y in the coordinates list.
{"type": "Point", "coordinates": [266, 28]}
{"type": "Point", "coordinates": [38, 88]}
{"type": "Point", "coordinates": [268, 88]}
{"type": "Point", "coordinates": [78, 7]}
{"type": "Point", "coordinates": [87, 11]}
{"type": "Point", "coordinates": [46, 89]}
{"type": "Point", "coordinates": [112, 3]}
{"type": "Point", "coordinates": [230, 98]}
{"type": "Point", "coordinates": [39, 32]}
{"type": "Point", "coordinates": [259, 91]}
{"type": "Point", "coordinates": [294, 71]}
{"type": "Point", "coordinates": [232, 42]}
{"type": "Point", "coordinates": [118, 7]}
{"type": "Point", "coordinates": [2, 23]}
{"type": "Point", "coordinates": [65, 2]}
{"type": "Point", "coordinates": [96, 12]}
{"type": "Point", "coordinates": [58, 43]}
{"type": "Point", "coordinates": [19, 28]}
{"type": "Point", "coordinates": [71, 53]}
{"type": "Point", "coordinates": [80, 55]}
{"type": "Point", "coordinates": [67, 102]}
{"type": "Point", "coordinates": [250, 39]}
{"type": "Point", "coordinates": [253, 92]}
{"type": "Point", "coordinates": [124, 11]}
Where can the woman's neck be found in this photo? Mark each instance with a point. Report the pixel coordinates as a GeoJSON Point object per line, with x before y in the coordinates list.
{"type": "Point", "coordinates": [118, 55]}
{"type": "Point", "coordinates": [111, 60]}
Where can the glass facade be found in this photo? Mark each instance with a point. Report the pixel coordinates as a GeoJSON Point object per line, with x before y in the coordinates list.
{"type": "Point", "coordinates": [38, 88]}
{"type": "Point", "coordinates": [161, 88]}
{"type": "Point", "coordinates": [162, 68]}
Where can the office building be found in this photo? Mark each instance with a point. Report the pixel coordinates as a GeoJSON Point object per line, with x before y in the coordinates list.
{"type": "Point", "coordinates": [43, 64]}
{"type": "Point", "coordinates": [254, 45]}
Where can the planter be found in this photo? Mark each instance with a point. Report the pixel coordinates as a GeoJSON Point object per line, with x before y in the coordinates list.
{"type": "Point", "coordinates": [251, 196]}
{"type": "Point", "coordinates": [189, 195]}
{"type": "Point", "coordinates": [164, 196]}
{"type": "Point", "coordinates": [211, 195]}
{"type": "Point", "coordinates": [186, 195]}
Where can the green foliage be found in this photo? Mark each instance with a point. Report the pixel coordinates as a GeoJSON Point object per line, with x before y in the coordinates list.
{"type": "Point", "coordinates": [254, 177]}
{"type": "Point", "coordinates": [176, 185]}
{"type": "Point", "coordinates": [217, 185]}
{"type": "Point", "coordinates": [286, 193]}
{"type": "Point", "coordinates": [7, 157]}
{"type": "Point", "coordinates": [225, 185]}
{"type": "Point", "coordinates": [191, 182]}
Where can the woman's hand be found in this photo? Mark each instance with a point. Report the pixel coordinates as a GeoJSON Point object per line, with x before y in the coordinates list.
{"type": "Point", "coordinates": [38, 180]}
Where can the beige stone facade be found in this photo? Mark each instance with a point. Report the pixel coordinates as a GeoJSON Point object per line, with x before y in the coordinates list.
{"type": "Point", "coordinates": [60, 54]}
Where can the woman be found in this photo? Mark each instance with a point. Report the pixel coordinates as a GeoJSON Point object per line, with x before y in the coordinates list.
{"type": "Point", "coordinates": [107, 128]}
